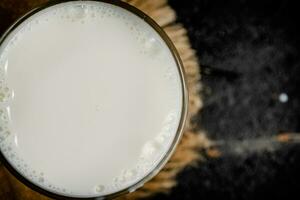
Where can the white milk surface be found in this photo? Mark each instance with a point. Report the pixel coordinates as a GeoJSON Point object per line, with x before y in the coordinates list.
{"type": "Point", "coordinates": [90, 99]}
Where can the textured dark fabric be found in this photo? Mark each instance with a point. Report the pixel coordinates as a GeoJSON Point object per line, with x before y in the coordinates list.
{"type": "Point", "coordinates": [259, 41]}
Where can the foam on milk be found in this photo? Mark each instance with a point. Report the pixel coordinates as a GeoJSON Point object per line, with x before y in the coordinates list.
{"type": "Point", "coordinates": [90, 99]}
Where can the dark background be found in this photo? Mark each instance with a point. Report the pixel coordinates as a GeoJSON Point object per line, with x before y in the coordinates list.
{"type": "Point", "coordinates": [258, 41]}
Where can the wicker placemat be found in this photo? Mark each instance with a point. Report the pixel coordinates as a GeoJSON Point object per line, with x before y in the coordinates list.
{"type": "Point", "coordinates": [186, 152]}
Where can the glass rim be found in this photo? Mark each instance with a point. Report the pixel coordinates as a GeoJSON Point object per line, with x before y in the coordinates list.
{"type": "Point", "coordinates": [184, 109]}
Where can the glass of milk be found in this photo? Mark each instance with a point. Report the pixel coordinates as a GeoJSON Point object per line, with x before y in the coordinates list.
{"type": "Point", "coordinates": [92, 99]}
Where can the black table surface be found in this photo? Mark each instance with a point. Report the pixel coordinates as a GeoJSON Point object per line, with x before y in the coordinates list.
{"type": "Point", "coordinates": [257, 41]}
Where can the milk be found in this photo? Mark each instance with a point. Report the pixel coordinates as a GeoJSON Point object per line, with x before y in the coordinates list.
{"type": "Point", "coordinates": [90, 99]}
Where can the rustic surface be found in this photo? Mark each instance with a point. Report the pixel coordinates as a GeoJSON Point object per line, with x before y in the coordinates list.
{"type": "Point", "coordinates": [259, 40]}
{"type": "Point", "coordinates": [256, 150]}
